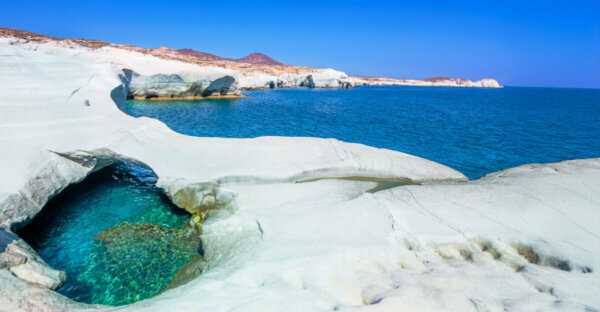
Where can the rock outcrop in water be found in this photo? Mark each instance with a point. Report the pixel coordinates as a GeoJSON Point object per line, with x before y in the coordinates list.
{"type": "Point", "coordinates": [22, 261]}
{"type": "Point", "coordinates": [181, 86]}
{"type": "Point", "coordinates": [522, 239]}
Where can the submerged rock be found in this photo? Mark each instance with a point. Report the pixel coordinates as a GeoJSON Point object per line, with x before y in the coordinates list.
{"type": "Point", "coordinates": [140, 259]}
{"type": "Point", "coordinates": [188, 272]}
{"type": "Point", "coordinates": [124, 235]}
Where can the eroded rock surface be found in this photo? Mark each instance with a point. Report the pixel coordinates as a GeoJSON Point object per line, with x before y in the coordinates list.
{"type": "Point", "coordinates": [518, 240]}
{"type": "Point", "coordinates": [255, 71]}
{"type": "Point", "coordinates": [430, 82]}
{"type": "Point", "coordinates": [181, 86]}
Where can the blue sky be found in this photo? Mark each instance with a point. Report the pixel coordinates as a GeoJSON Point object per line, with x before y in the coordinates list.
{"type": "Point", "coordinates": [520, 43]}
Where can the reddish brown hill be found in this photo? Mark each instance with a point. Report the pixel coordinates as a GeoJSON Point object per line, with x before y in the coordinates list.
{"type": "Point", "coordinates": [201, 55]}
{"type": "Point", "coordinates": [258, 58]}
{"type": "Point", "coordinates": [254, 58]}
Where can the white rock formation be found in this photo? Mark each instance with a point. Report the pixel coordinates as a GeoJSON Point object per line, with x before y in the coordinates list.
{"type": "Point", "coordinates": [184, 85]}
{"type": "Point", "coordinates": [318, 78]}
{"type": "Point", "coordinates": [431, 82]}
{"type": "Point", "coordinates": [523, 239]}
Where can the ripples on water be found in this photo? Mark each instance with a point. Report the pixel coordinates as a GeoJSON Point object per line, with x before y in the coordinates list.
{"type": "Point", "coordinates": [476, 131]}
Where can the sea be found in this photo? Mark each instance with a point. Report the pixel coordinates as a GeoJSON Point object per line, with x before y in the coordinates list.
{"type": "Point", "coordinates": [473, 130]}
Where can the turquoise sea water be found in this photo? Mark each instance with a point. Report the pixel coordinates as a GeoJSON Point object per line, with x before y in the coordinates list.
{"type": "Point", "coordinates": [476, 131]}
{"type": "Point", "coordinates": [144, 243]}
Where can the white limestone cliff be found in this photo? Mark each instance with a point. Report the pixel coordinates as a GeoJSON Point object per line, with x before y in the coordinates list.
{"type": "Point", "coordinates": [431, 82]}
{"type": "Point", "coordinates": [188, 84]}
{"type": "Point", "coordinates": [318, 78]}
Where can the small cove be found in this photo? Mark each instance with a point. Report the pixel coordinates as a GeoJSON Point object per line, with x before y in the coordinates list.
{"type": "Point", "coordinates": [117, 237]}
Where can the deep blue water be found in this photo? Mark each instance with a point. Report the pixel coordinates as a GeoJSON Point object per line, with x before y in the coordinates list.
{"type": "Point", "coordinates": [476, 131]}
{"type": "Point", "coordinates": [117, 237]}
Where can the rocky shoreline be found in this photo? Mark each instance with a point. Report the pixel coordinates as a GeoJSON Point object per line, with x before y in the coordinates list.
{"type": "Point", "coordinates": [430, 82]}
{"type": "Point", "coordinates": [525, 238]}
{"type": "Point", "coordinates": [235, 75]}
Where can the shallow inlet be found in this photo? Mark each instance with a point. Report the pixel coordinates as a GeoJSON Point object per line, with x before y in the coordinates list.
{"type": "Point", "coordinates": [117, 237]}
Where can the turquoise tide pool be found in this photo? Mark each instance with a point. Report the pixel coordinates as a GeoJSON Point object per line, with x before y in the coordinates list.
{"type": "Point", "coordinates": [117, 237]}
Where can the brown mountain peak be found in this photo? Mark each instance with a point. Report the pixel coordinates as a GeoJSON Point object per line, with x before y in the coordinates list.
{"type": "Point", "coordinates": [258, 58]}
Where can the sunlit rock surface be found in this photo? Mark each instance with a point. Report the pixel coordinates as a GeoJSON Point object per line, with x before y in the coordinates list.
{"type": "Point", "coordinates": [523, 239]}
{"type": "Point", "coordinates": [430, 82]}
{"type": "Point", "coordinates": [321, 78]}
{"type": "Point", "coordinates": [165, 73]}
{"type": "Point", "coordinates": [187, 86]}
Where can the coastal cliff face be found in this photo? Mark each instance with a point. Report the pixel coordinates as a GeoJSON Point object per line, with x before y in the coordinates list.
{"type": "Point", "coordinates": [255, 71]}
{"type": "Point", "coordinates": [181, 86]}
{"type": "Point", "coordinates": [430, 82]}
{"type": "Point", "coordinates": [165, 73]}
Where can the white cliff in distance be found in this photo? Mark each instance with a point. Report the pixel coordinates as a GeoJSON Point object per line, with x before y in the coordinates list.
{"type": "Point", "coordinates": [430, 82]}
{"type": "Point", "coordinates": [256, 71]}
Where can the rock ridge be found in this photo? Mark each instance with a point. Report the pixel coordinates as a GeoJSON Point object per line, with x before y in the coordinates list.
{"type": "Point", "coordinates": [255, 71]}
{"type": "Point", "coordinates": [429, 82]}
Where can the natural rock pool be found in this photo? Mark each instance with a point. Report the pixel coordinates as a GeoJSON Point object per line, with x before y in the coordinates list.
{"type": "Point", "coordinates": [117, 237]}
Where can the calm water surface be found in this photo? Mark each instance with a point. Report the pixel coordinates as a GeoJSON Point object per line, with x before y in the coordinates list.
{"type": "Point", "coordinates": [476, 131]}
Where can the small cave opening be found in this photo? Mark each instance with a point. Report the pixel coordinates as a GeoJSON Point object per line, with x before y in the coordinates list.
{"type": "Point", "coordinates": [116, 235]}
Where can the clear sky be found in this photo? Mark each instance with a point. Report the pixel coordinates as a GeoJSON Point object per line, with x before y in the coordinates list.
{"type": "Point", "coordinates": [520, 43]}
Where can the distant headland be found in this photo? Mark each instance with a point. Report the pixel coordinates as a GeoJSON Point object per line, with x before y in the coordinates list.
{"type": "Point", "coordinates": [264, 70]}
